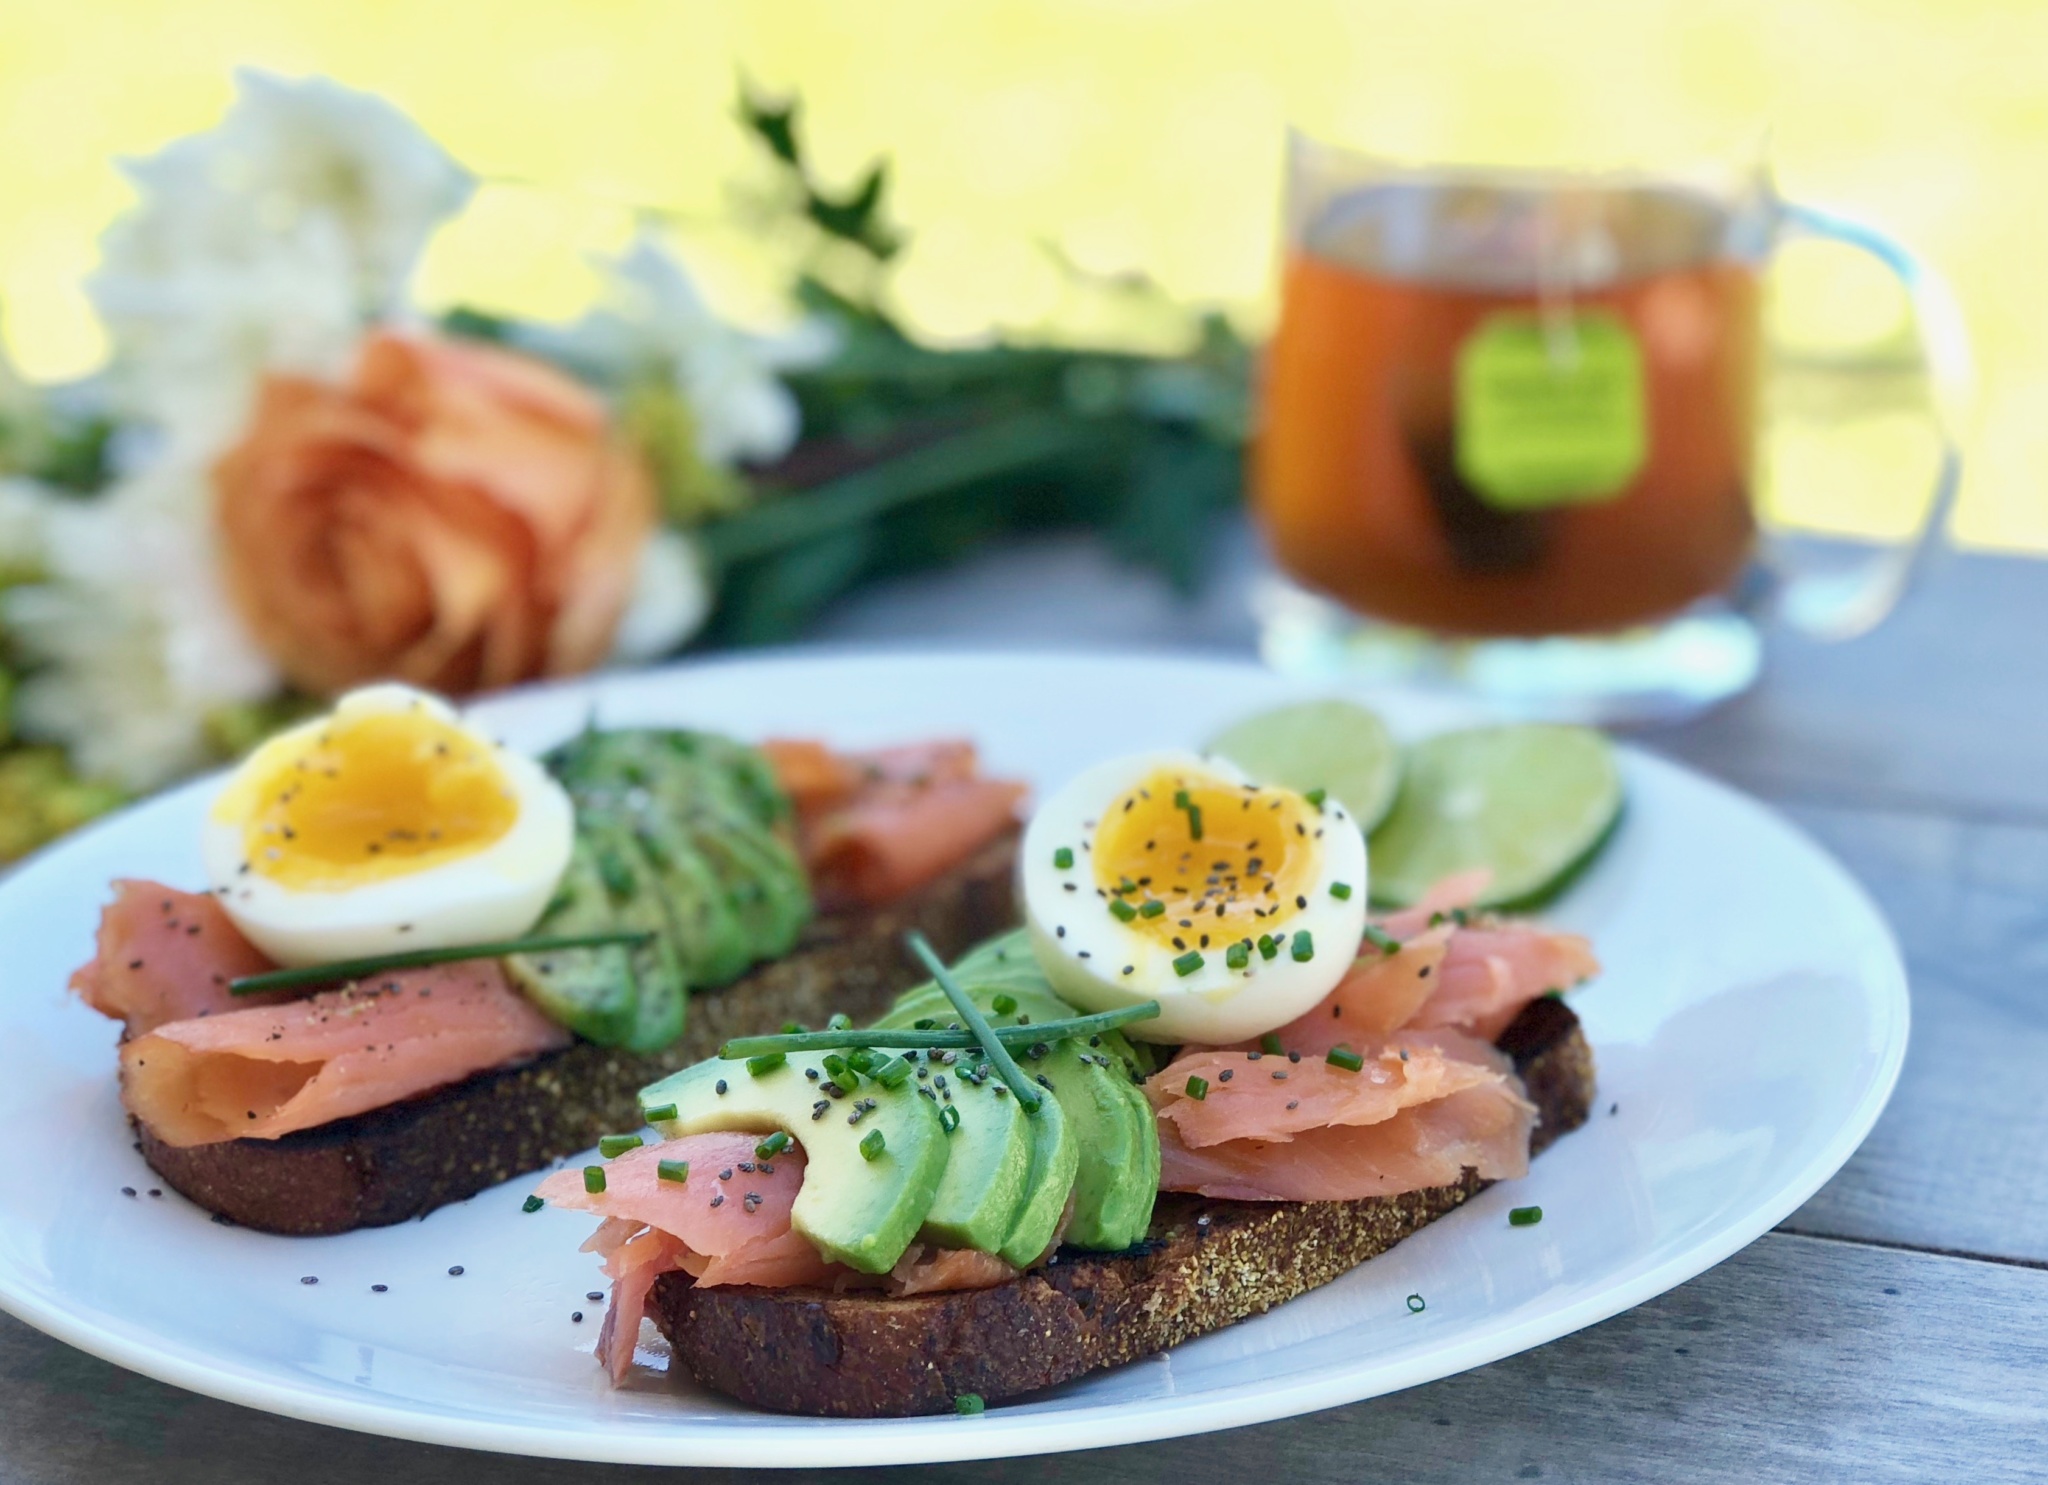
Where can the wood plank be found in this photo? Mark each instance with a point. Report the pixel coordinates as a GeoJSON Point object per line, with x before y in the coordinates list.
{"type": "Point", "coordinates": [1798, 1359]}
{"type": "Point", "coordinates": [1942, 708]}
{"type": "Point", "coordinates": [1958, 1161]}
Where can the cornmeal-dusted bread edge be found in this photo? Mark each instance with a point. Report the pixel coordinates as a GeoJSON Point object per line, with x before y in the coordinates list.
{"type": "Point", "coordinates": [859, 1356]}
{"type": "Point", "coordinates": [403, 1161]}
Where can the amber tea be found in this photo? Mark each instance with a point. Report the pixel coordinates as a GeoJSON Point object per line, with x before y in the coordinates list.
{"type": "Point", "coordinates": [1500, 410]}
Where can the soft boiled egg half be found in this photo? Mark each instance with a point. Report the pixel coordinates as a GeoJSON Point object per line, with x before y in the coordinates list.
{"type": "Point", "coordinates": [383, 826]}
{"type": "Point", "coordinates": [1173, 877]}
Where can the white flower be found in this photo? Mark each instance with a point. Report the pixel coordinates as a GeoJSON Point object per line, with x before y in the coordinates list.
{"type": "Point", "coordinates": [135, 635]}
{"type": "Point", "coordinates": [265, 244]}
{"type": "Point", "coordinates": [671, 599]}
{"type": "Point", "coordinates": [656, 323]}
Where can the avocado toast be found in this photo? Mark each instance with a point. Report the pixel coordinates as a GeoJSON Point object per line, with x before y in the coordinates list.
{"type": "Point", "coordinates": [660, 891]}
{"type": "Point", "coordinates": [872, 1279]}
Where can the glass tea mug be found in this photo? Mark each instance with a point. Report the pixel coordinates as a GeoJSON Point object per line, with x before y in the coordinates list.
{"type": "Point", "coordinates": [1509, 428]}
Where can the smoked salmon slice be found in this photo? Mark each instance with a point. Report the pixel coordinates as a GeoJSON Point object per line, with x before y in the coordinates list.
{"type": "Point", "coordinates": [165, 955]}
{"type": "Point", "coordinates": [873, 826]}
{"type": "Point", "coordinates": [1483, 1128]}
{"type": "Point", "coordinates": [726, 1223]}
{"type": "Point", "coordinates": [267, 1071]}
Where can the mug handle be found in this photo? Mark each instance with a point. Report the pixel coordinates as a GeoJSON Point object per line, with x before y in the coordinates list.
{"type": "Point", "coordinates": [1836, 601]}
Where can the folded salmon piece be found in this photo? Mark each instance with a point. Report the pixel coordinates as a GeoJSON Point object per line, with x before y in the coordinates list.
{"type": "Point", "coordinates": [1484, 1128]}
{"type": "Point", "coordinates": [267, 1071]}
{"type": "Point", "coordinates": [1493, 968]}
{"type": "Point", "coordinates": [873, 826]}
{"type": "Point", "coordinates": [1270, 1098]}
{"type": "Point", "coordinates": [165, 955]}
{"type": "Point", "coordinates": [1425, 1105]}
{"type": "Point", "coordinates": [727, 1222]}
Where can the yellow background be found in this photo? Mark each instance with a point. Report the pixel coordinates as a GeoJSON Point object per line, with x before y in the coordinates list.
{"type": "Point", "coordinates": [1133, 133]}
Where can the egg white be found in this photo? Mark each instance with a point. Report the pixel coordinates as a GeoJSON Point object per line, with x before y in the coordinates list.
{"type": "Point", "coordinates": [495, 892]}
{"type": "Point", "coordinates": [1084, 949]}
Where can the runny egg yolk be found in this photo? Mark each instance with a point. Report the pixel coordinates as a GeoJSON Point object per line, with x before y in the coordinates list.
{"type": "Point", "coordinates": [371, 797]}
{"type": "Point", "coordinates": [1222, 861]}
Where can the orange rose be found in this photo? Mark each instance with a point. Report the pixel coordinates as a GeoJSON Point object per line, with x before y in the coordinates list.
{"type": "Point", "coordinates": [455, 515]}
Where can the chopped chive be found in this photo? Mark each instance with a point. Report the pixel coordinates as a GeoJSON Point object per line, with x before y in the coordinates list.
{"type": "Point", "coordinates": [949, 1118]}
{"type": "Point", "coordinates": [1304, 947]}
{"type": "Point", "coordinates": [1125, 887]}
{"type": "Point", "coordinates": [791, 1027]}
{"type": "Point", "coordinates": [1198, 1088]}
{"type": "Point", "coordinates": [969, 1404]}
{"type": "Point", "coordinates": [1270, 1044]}
{"type": "Point", "coordinates": [593, 1179]}
{"type": "Point", "coordinates": [1382, 940]}
{"type": "Point", "coordinates": [1063, 859]}
{"type": "Point", "coordinates": [923, 1023]}
{"type": "Point", "coordinates": [1123, 910]}
{"type": "Point", "coordinates": [672, 1170]}
{"type": "Point", "coordinates": [531, 1204]}
{"type": "Point", "coordinates": [1268, 946]}
{"type": "Point", "coordinates": [1151, 909]}
{"type": "Point", "coordinates": [1026, 1092]}
{"type": "Point", "coordinates": [1315, 797]}
{"type": "Point", "coordinates": [1238, 955]}
{"type": "Point", "coordinates": [836, 1068]}
{"type": "Point", "coordinates": [892, 1072]}
{"type": "Point", "coordinates": [772, 1146]}
{"type": "Point", "coordinates": [767, 1062]}
{"type": "Point", "coordinates": [1345, 1058]}
{"type": "Point", "coordinates": [1194, 822]}
{"type": "Point", "coordinates": [1188, 963]}
{"type": "Point", "coordinates": [1341, 891]}
{"type": "Point", "coordinates": [1181, 800]}
{"type": "Point", "coordinates": [863, 1060]}
{"type": "Point", "coordinates": [872, 1144]}
{"type": "Point", "coordinates": [924, 1036]}
{"type": "Point", "coordinates": [839, 1021]}
{"type": "Point", "coordinates": [611, 1146]}
{"type": "Point", "coordinates": [355, 969]}
{"type": "Point", "coordinates": [1525, 1216]}
{"type": "Point", "coordinates": [1003, 1005]}
{"type": "Point", "coordinates": [658, 1113]}
{"type": "Point", "coordinates": [1416, 1304]}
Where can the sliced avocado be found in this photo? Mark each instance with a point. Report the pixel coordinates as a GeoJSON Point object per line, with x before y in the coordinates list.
{"type": "Point", "coordinates": [1116, 1174]}
{"type": "Point", "coordinates": [1055, 1155]}
{"type": "Point", "coordinates": [710, 943]}
{"type": "Point", "coordinates": [857, 1210]}
{"type": "Point", "coordinates": [593, 992]}
{"type": "Point", "coordinates": [988, 1158]}
{"type": "Point", "coordinates": [765, 883]}
{"type": "Point", "coordinates": [664, 997]}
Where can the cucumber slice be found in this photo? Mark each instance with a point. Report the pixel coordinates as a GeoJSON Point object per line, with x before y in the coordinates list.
{"type": "Point", "coordinates": [1531, 802]}
{"type": "Point", "coordinates": [1331, 745]}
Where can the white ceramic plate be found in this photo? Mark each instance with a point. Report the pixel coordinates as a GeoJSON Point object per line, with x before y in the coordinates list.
{"type": "Point", "coordinates": [1749, 1026]}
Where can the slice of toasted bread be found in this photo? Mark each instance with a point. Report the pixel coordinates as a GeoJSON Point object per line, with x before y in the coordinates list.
{"type": "Point", "coordinates": [407, 1159]}
{"type": "Point", "coordinates": [1206, 1264]}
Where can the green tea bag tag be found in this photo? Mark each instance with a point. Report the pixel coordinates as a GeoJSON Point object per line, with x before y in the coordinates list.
{"type": "Point", "coordinates": [1550, 413]}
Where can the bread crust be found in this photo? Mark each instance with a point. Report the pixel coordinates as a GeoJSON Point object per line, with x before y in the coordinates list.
{"type": "Point", "coordinates": [405, 1160]}
{"type": "Point", "coordinates": [1205, 1264]}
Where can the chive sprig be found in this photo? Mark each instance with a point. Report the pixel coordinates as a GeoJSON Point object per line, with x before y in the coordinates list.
{"type": "Point", "coordinates": [1027, 1093]}
{"type": "Point", "coordinates": [741, 1047]}
{"type": "Point", "coordinates": [354, 969]}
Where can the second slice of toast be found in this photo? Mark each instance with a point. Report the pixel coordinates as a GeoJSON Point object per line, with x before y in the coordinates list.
{"type": "Point", "coordinates": [1205, 1264]}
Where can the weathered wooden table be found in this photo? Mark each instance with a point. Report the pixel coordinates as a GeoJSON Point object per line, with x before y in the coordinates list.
{"type": "Point", "coordinates": [1895, 1328]}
